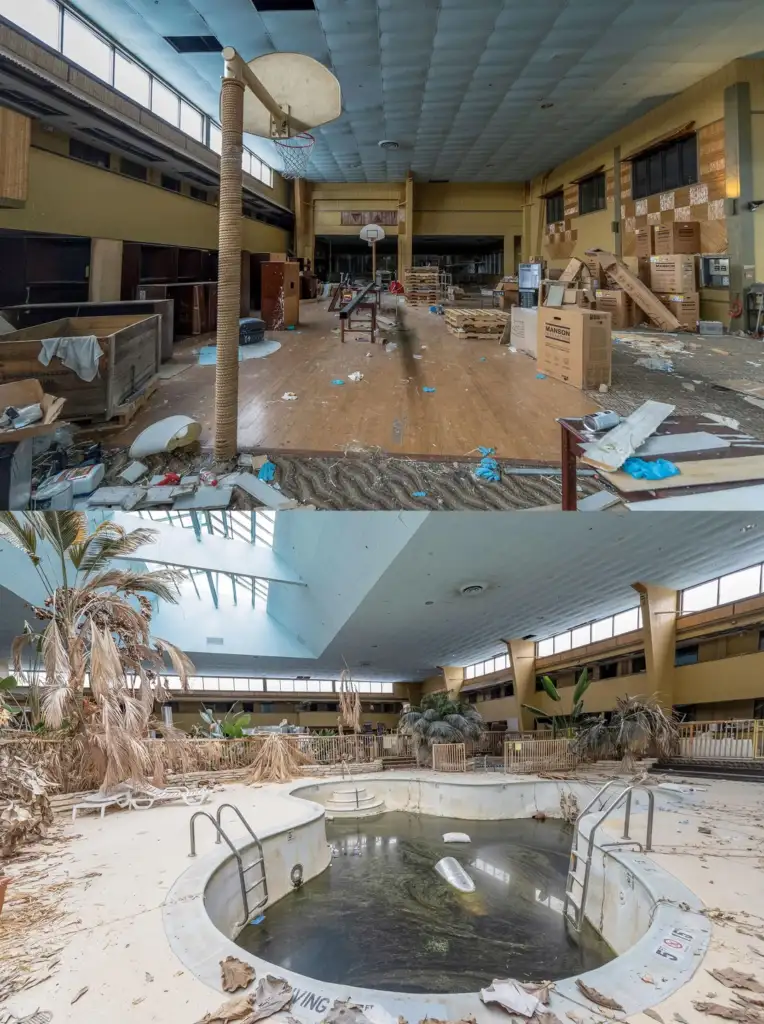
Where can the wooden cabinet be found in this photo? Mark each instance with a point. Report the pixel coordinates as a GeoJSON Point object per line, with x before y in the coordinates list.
{"type": "Point", "coordinates": [43, 268]}
{"type": "Point", "coordinates": [278, 278]}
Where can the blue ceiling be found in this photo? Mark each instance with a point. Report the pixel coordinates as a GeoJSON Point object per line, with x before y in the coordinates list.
{"type": "Point", "coordinates": [458, 83]}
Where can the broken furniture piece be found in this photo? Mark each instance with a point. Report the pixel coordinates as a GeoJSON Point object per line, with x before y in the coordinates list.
{"type": "Point", "coordinates": [359, 315]}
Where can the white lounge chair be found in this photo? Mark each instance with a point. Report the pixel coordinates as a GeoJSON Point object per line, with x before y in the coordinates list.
{"type": "Point", "coordinates": [143, 795]}
{"type": "Point", "coordinates": [100, 801]}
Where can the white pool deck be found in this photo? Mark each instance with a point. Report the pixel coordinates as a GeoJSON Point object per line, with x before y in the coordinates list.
{"type": "Point", "coordinates": [114, 925]}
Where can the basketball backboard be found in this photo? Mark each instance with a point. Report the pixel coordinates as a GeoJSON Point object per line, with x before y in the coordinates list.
{"type": "Point", "coordinates": [372, 233]}
{"type": "Point", "coordinates": [304, 89]}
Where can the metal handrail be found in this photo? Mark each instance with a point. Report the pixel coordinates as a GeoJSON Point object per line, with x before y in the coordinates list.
{"type": "Point", "coordinates": [596, 797]}
{"type": "Point", "coordinates": [624, 795]}
{"type": "Point", "coordinates": [234, 851]}
{"type": "Point", "coordinates": [260, 854]}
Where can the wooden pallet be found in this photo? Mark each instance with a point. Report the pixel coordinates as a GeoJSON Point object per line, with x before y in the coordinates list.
{"type": "Point", "coordinates": [125, 413]}
{"type": "Point", "coordinates": [465, 319]}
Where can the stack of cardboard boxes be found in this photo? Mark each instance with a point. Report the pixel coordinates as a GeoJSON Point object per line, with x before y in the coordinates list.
{"type": "Point", "coordinates": [670, 251]}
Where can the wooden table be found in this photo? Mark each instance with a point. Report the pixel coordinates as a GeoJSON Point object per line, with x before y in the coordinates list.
{"type": "Point", "coordinates": [575, 433]}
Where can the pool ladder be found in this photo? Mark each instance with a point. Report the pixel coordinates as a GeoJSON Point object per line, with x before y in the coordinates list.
{"type": "Point", "coordinates": [577, 885]}
{"type": "Point", "coordinates": [247, 887]}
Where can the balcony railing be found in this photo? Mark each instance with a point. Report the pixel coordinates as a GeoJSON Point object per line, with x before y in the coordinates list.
{"type": "Point", "coordinates": [736, 739]}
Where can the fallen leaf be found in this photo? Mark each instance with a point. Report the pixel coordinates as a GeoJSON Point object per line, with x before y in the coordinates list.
{"type": "Point", "coordinates": [574, 1016]}
{"type": "Point", "coordinates": [750, 1000]}
{"type": "Point", "coordinates": [654, 1015]}
{"type": "Point", "coordinates": [547, 1018]}
{"type": "Point", "coordinates": [648, 979]}
{"type": "Point", "coordinates": [596, 997]}
{"type": "Point", "coordinates": [679, 1018]}
{"type": "Point", "coordinates": [232, 1010]}
{"type": "Point", "coordinates": [79, 995]}
{"type": "Point", "coordinates": [235, 974]}
{"type": "Point", "coordinates": [272, 995]}
{"type": "Point", "coordinates": [149, 977]}
{"type": "Point", "coordinates": [138, 1001]}
{"type": "Point", "coordinates": [736, 979]}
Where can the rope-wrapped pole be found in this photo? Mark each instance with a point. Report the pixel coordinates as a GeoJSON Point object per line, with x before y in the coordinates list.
{"type": "Point", "coordinates": [229, 270]}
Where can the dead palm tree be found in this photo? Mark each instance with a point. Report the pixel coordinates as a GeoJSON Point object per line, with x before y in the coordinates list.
{"type": "Point", "coordinates": [98, 628]}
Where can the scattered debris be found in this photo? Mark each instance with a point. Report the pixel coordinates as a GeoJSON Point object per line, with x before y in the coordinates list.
{"type": "Point", "coordinates": [165, 436]}
{"type": "Point", "coordinates": [680, 1019]}
{"type": "Point", "coordinates": [429, 391]}
{"type": "Point", "coordinates": [134, 472]}
{"type": "Point", "coordinates": [569, 806]}
{"type": "Point", "coordinates": [736, 979]}
{"type": "Point", "coordinates": [654, 363]}
{"type": "Point", "coordinates": [338, 382]}
{"type": "Point", "coordinates": [705, 830]}
{"type": "Point", "coordinates": [512, 996]}
{"type": "Point", "coordinates": [355, 376]}
{"type": "Point", "coordinates": [80, 994]}
{"type": "Point", "coordinates": [738, 1013]}
{"type": "Point", "coordinates": [614, 448]}
{"type": "Point", "coordinates": [419, 494]}
{"type": "Point", "coordinates": [235, 974]}
{"type": "Point", "coordinates": [289, 396]}
{"type": "Point", "coordinates": [596, 997]}
{"type": "Point", "coordinates": [267, 471]}
{"type": "Point", "coordinates": [456, 837]}
{"type": "Point", "coordinates": [654, 1015]}
{"type": "Point", "coordinates": [540, 376]}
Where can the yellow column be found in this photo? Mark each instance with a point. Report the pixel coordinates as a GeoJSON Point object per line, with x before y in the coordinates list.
{"type": "Point", "coordinates": [522, 654]}
{"type": "Point", "coordinates": [659, 611]}
{"type": "Point", "coordinates": [453, 677]}
{"type": "Point", "coordinates": [304, 240]}
{"type": "Point", "coordinates": [406, 226]}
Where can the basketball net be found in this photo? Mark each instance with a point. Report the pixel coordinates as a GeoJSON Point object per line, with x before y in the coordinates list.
{"type": "Point", "coordinates": [295, 154]}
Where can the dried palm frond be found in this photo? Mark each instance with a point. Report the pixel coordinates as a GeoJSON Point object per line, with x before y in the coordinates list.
{"type": "Point", "coordinates": [350, 703]}
{"type": "Point", "coordinates": [25, 809]}
{"type": "Point", "coordinates": [98, 621]}
{"type": "Point", "coordinates": [278, 760]}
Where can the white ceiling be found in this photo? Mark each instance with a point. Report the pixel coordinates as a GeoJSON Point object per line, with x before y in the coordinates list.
{"type": "Point", "coordinates": [458, 83]}
{"type": "Point", "coordinates": [543, 573]}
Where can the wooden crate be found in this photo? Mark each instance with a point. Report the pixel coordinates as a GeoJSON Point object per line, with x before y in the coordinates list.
{"type": "Point", "coordinates": [476, 323]}
{"type": "Point", "coordinates": [128, 366]}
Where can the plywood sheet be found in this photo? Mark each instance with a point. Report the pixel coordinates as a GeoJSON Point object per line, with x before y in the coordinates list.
{"type": "Point", "coordinates": [696, 474]}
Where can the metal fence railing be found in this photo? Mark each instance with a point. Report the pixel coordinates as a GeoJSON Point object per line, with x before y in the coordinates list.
{"type": "Point", "coordinates": [737, 739]}
{"type": "Point", "coordinates": [449, 757]}
{"type": "Point", "coordinates": [541, 754]}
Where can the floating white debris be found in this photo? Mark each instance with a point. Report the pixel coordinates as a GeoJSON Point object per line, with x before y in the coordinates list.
{"type": "Point", "coordinates": [456, 837]}
{"type": "Point", "coordinates": [451, 871]}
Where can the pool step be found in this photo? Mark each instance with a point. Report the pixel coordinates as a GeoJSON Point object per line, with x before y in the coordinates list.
{"type": "Point", "coordinates": [353, 802]}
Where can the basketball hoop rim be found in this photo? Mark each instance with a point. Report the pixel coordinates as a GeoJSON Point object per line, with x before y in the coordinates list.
{"type": "Point", "coordinates": [302, 141]}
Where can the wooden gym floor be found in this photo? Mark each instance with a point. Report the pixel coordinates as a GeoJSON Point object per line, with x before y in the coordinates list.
{"type": "Point", "coordinates": [484, 394]}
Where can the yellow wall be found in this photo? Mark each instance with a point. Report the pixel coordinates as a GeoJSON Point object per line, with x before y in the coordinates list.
{"type": "Point", "coordinates": [471, 209]}
{"type": "Point", "coordinates": [189, 716]}
{"type": "Point", "coordinates": [740, 678]}
{"type": "Point", "coordinates": [702, 104]}
{"type": "Point", "coordinates": [72, 198]}
{"type": "Point", "coordinates": [330, 199]}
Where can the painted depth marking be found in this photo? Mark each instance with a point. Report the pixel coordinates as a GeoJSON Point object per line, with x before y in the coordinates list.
{"type": "Point", "coordinates": [678, 942]}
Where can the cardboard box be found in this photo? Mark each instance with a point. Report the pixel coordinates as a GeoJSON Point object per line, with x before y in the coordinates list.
{"type": "Point", "coordinates": [639, 267]}
{"type": "Point", "coordinates": [524, 328]}
{"type": "Point", "coordinates": [681, 237]}
{"type": "Point", "coordinates": [20, 393]}
{"type": "Point", "coordinates": [575, 346]}
{"type": "Point", "coordinates": [640, 293]}
{"type": "Point", "coordinates": [571, 272]}
{"type": "Point", "coordinates": [646, 241]}
{"type": "Point", "coordinates": [686, 308]}
{"type": "Point", "coordinates": [673, 275]}
{"type": "Point", "coordinates": [596, 271]}
{"type": "Point", "coordinates": [577, 297]}
{"type": "Point", "coordinates": [620, 305]}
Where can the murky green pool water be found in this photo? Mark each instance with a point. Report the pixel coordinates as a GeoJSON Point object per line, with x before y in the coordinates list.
{"type": "Point", "coordinates": [381, 917]}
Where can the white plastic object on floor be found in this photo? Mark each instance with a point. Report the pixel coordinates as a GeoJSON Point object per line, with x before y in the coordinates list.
{"type": "Point", "coordinates": [451, 871]}
{"type": "Point", "coordinates": [165, 435]}
{"type": "Point", "coordinates": [84, 479]}
{"type": "Point", "coordinates": [456, 837]}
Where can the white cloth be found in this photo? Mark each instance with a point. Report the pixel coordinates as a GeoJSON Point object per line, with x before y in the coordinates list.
{"type": "Point", "coordinates": [78, 354]}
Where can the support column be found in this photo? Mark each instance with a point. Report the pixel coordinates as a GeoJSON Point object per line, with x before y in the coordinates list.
{"type": "Point", "coordinates": [303, 220]}
{"type": "Point", "coordinates": [659, 613]}
{"type": "Point", "coordinates": [229, 270]}
{"type": "Point", "coordinates": [617, 223]}
{"type": "Point", "coordinates": [522, 654]}
{"type": "Point", "coordinates": [739, 191]}
{"type": "Point", "coordinates": [406, 227]}
{"type": "Point", "coordinates": [453, 677]}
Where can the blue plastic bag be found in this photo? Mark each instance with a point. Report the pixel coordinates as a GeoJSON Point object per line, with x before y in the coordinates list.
{"type": "Point", "coordinates": [338, 381]}
{"type": "Point", "coordinates": [660, 469]}
{"type": "Point", "coordinates": [267, 472]}
{"type": "Point", "coordinates": [428, 391]}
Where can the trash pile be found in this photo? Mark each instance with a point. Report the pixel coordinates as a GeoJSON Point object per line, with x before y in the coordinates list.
{"type": "Point", "coordinates": [164, 468]}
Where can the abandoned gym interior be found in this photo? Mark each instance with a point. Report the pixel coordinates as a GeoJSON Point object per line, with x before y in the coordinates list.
{"type": "Point", "coordinates": [385, 766]}
{"type": "Point", "coordinates": [361, 256]}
